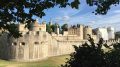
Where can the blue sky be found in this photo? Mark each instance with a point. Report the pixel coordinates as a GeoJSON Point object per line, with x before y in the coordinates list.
{"type": "Point", "coordinates": [84, 15]}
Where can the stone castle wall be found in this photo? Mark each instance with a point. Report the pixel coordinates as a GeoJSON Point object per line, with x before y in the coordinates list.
{"type": "Point", "coordinates": [4, 46]}
{"type": "Point", "coordinates": [36, 46]}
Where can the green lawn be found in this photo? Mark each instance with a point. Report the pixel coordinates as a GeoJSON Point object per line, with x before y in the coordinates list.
{"type": "Point", "coordinates": [50, 62]}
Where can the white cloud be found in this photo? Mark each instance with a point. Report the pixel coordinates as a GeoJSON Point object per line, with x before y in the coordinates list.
{"type": "Point", "coordinates": [66, 17]}
{"type": "Point", "coordinates": [92, 22]}
{"type": "Point", "coordinates": [58, 18]}
{"type": "Point", "coordinates": [110, 19]}
{"type": "Point", "coordinates": [61, 19]}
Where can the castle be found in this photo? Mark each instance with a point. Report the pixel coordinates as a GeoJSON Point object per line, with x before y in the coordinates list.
{"type": "Point", "coordinates": [37, 44]}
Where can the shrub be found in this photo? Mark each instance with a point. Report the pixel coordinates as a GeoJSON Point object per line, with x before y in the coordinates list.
{"type": "Point", "coordinates": [94, 56]}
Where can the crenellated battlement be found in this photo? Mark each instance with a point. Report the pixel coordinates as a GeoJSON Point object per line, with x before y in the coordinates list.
{"type": "Point", "coordinates": [113, 41]}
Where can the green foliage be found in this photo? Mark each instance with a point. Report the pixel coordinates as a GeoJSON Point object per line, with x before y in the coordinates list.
{"type": "Point", "coordinates": [93, 56]}
{"type": "Point", "coordinates": [48, 28]}
{"type": "Point", "coordinates": [113, 56]}
{"type": "Point", "coordinates": [102, 5]}
{"type": "Point", "coordinates": [64, 27]}
{"type": "Point", "coordinates": [51, 28]}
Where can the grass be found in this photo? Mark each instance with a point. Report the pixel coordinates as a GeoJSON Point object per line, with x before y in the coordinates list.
{"type": "Point", "coordinates": [50, 62]}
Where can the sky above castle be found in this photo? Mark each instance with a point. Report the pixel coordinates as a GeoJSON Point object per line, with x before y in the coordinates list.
{"type": "Point", "coordinates": [84, 15]}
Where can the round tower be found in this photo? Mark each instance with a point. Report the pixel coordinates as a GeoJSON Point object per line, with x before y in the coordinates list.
{"type": "Point", "coordinates": [87, 31]}
{"type": "Point", "coordinates": [35, 26]}
{"type": "Point", "coordinates": [43, 26]}
{"type": "Point", "coordinates": [21, 27]}
{"type": "Point", "coordinates": [80, 31]}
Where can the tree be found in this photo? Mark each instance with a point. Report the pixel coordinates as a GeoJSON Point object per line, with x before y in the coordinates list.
{"type": "Point", "coordinates": [102, 5]}
{"type": "Point", "coordinates": [48, 28]}
{"type": "Point", "coordinates": [94, 56]}
{"type": "Point", "coordinates": [64, 27]}
{"type": "Point", "coordinates": [51, 28]}
{"type": "Point", "coordinates": [12, 11]}
{"type": "Point", "coordinates": [113, 56]}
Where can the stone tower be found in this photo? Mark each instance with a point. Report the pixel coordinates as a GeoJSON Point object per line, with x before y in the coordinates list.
{"type": "Point", "coordinates": [35, 26]}
{"type": "Point", "coordinates": [43, 26]}
{"type": "Point", "coordinates": [80, 31]}
{"type": "Point", "coordinates": [57, 29]}
{"type": "Point", "coordinates": [21, 28]}
{"type": "Point", "coordinates": [87, 30]}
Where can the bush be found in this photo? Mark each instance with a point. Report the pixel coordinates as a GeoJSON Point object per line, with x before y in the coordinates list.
{"type": "Point", "coordinates": [94, 56]}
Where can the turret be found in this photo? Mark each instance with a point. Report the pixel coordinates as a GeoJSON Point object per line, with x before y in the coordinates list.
{"type": "Point", "coordinates": [22, 28]}
{"type": "Point", "coordinates": [43, 26]}
{"type": "Point", "coordinates": [34, 26]}
{"type": "Point", "coordinates": [80, 31]}
{"type": "Point", "coordinates": [57, 29]}
{"type": "Point", "coordinates": [87, 30]}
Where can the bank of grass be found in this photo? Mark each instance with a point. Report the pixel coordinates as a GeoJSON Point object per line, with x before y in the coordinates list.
{"type": "Point", "coordinates": [50, 62]}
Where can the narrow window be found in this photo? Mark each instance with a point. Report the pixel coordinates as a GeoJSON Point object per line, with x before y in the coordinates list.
{"type": "Point", "coordinates": [27, 32]}
{"type": "Point", "coordinates": [22, 43]}
{"type": "Point", "coordinates": [39, 28]}
{"type": "Point", "coordinates": [14, 43]}
{"type": "Point", "coordinates": [36, 43]}
{"type": "Point", "coordinates": [37, 32]}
